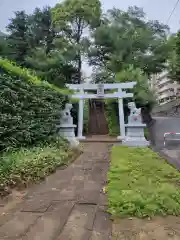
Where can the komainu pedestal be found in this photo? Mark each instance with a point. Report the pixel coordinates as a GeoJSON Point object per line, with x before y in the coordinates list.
{"type": "Point", "coordinates": [135, 128]}
{"type": "Point", "coordinates": [66, 127]}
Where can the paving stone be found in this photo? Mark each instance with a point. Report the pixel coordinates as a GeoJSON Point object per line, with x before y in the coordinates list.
{"type": "Point", "coordinates": [78, 172]}
{"type": "Point", "coordinates": [99, 236]}
{"type": "Point", "coordinates": [61, 206]}
{"type": "Point", "coordinates": [95, 176]}
{"type": "Point", "coordinates": [69, 194]}
{"type": "Point", "coordinates": [88, 165]}
{"type": "Point", "coordinates": [51, 223]}
{"type": "Point", "coordinates": [102, 223]}
{"type": "Point", "coordinates": [47, 190]}
{"type": "Point", "coordinates": [89, 196]}
{"type": "Point", "coordinates": [91, 185]}
{"type": "Point", "coordinates": [71, 232]}
{"type": "Point", "coordinates": [98, 169]}
{"type": "Point", "coordinates": [37, 204]}
{"type": "Point", "coordinates": [18, 225]}
{"type": "Point", "coordinates": [82, 216]}
{"type": "Point", "coordinates": [77, 184]}
{"type": "Point", "coordinates": [103, 200]}
{"type": "Point", "coordinates": [4, 218]}
{"type": "Point", "coordinates": [78, 178]}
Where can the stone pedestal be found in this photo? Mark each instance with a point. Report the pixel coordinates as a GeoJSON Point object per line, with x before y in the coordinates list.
{"type": "Point", "coordinates": [135, 135]}
{"type": "Point", "coordinates": [67, 131]}
{"type": "Point", "coordinates": [66, 127]}
{"type": "Point", "coordinates": [81, 138]}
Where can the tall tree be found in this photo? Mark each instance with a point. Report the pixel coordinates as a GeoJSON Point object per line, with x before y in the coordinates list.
{"type": "Point", "coordinates": [143, 94]}
{"type": "Point", "coordinates": [127, 46]}
{"type": "Point", "coordinates": [27, 32]}
{"type": "Point", "coordinates": [17, 39]}
{"type": "Point", "coordinates": [52, 56]}
{"type": "Point", "coordinates": [41, 31]}
{"type": "Point", "coordinates": [126, 38]}
{"type": "Point", "coordinates": [174, 57]}
{"type": "Point", "coordinates": [73, 19]}
{"type": "Point", "coordinates": [55, 67]}
{"type": "Point", "coordinates": [4, 48]}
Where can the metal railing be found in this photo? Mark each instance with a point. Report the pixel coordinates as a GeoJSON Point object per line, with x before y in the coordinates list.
{"type": "Point", "coordinates": [171, 136]}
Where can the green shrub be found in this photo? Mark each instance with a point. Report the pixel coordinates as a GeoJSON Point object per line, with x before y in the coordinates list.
{"type": "Point", "coordinates": [30, 109]}
{"type": "Point", "coordinates": [142, 184]}
{"type": "Point", "coordinates": [86, 116]}
{"type": "Point", "coordinates": [112, 117]}
{"type": "Point", "coordinates": [25, 166]}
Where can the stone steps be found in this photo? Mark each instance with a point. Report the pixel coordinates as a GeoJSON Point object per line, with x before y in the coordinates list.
{"type": "Point", "coordinates": [101, 139]}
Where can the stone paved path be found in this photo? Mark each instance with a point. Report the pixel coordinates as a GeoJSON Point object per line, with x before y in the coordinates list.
{"type": "Point", "coordinates": [70, 204]}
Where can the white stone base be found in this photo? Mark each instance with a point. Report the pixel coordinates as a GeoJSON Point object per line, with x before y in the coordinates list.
{"type": "Point", "coordinates": [135, 135]}
{"type": "Point", "coordinates": [73, 142]}
{"type": "Point", "coordinates": [120, 138]}
{"type": "Point", "coordinates": [135, 142]}
{"type": "Point", "coordinates": [67, 131]}
{"type": "Point", "coordinates": [81, 137]}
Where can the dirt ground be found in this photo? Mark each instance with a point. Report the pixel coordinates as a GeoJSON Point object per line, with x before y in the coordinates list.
{"type": "Point", "coordinates": [11, 201]}
{"type": "Point", "coordinates": [158, 228]}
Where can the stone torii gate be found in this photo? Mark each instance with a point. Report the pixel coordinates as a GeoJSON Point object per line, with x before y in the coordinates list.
{"type": "Point", "coordinates": [82, 94]}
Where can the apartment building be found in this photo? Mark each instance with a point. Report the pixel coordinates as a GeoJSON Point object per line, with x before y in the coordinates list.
{"type": "Point", "coordinates": [165, 89]}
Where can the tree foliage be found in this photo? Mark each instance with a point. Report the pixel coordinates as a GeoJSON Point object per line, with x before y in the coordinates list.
{"type": "Point", "coordinates": [174, 57]}
{"type": "Point", "coordinates": [41, 29]}
{"type": "Point", "coordinates": [4, 48]}
{"type": "Point", "coordinates": [130, 47]}
{"type": "Point", "coordinates": [52, 67]}
{"type": "Point", "coordinates": [54, 42]}
{"type": "Point", "coordinates": [53, 57]}
{"type": "Point", "coordinates": [17, 39]}
{"type": "Point", "coordinates": [33, 42]}
{"type": "Point", "coordinates": [127, 38]}
{"type": "Point", "coordinates": [73, 19]}
{"type": "Point", "coordinates": [142, 92]}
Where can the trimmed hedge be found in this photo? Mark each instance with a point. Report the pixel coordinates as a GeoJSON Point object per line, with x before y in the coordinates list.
{"type": "Point", "coordinates": [30, 108]}
{"type": "Point", "coordinates": [11, 69]}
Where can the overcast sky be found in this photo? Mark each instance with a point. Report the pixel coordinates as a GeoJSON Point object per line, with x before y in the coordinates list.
{"type": "Point", "coordinates": [155, 9]}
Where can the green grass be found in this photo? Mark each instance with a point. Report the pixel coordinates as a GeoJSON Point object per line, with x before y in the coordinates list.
{"type": "Point", "coordinates": [142, 184]}
{"type": "Point", "coordinates": [26, 166]}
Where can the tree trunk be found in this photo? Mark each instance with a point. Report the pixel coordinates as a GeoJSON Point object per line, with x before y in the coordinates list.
{"type": "Point", "coordinates": [79, 75]}
{"type": "Point", "coordinates": [79, 63]}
